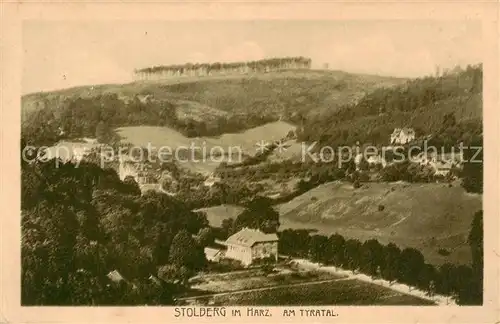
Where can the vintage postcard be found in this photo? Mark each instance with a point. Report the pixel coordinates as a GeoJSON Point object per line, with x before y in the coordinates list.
{"type": "Point", "coordinates": [256, 162]}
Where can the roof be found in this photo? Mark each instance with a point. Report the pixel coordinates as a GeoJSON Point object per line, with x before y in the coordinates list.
{"type": "Point", "coordinates": [212, 253]}
{"type": "Point", "coordinates": [405, 130]}
{"type": "Point", "coordinates": [248, 237]}
{"type": "Point", "coordinates": [442, 165]}
{"type": "Point", "coordinates": [115, 276]}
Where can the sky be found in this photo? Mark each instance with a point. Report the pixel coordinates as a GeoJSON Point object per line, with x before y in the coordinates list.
{"type": "Point", "coordinates": [64, 54]}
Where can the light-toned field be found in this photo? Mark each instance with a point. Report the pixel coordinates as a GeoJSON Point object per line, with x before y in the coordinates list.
{"type": "Point", "coordinates": [245, 142]}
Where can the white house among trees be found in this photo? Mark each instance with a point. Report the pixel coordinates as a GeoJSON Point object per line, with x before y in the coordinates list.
{"type": "Point", "coordinates": [249, 245]}
{"type": "Point", "coordinates": [402, 135]}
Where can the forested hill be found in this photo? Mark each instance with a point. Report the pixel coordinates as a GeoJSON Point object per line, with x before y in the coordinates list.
{"type": "Point", "coordinates": [448, 107]}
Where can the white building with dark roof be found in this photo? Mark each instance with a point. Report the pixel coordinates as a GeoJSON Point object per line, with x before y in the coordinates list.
{"type": "Point", "coordinates": [249, 245]}
{"type": "Point", "coordinates": [402, 135]}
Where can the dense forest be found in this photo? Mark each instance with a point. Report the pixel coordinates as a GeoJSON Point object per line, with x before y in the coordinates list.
{"type": "Point", "coordinates": [80, 223]}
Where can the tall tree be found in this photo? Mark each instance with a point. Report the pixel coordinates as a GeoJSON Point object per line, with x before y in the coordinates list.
{"type": "Point", "coordinates": [473, 168]}
{"type": "Point", "coordinates": [259, 214]}
{"type": "Point", "coordinates": [185, 252]}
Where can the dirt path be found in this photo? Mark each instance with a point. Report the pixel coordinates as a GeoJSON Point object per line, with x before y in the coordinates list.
{"type": "Point", "coordinates": [401, 288]}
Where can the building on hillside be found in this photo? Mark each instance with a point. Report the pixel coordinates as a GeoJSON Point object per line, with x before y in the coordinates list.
{"type": "Point", "coordinates": [211, 180]}
{"type": "Point", "coordinates": [249, 245]}
{"type": "Point", "coordinates": [115, 276]}
{"type": "Point", "coordinates": [453, 158]}
{"type": "Point", "coordinates": [133, 169]}
{"type": "Point", "coordinates": [441, 168]}
{"type": "Point", "coordinates": [402, 135]}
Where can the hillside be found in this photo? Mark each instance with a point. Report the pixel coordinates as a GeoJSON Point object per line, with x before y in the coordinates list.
{"type": "Point", "coordinates": [449, 107]}
{"type": "Point", "coordinates": [199, 106]}
{"type": "Point", "coordinates": [285, 93]}
{"type": "Point", "coordinates": [424, 216]}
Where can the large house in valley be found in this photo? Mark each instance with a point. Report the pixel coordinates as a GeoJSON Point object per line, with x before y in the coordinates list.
{"type": "Point", "coordinates": [402, 135]}
{"type": "Point", "coordinates": [442, 163]}
{"type": "Point", "coordinates": [249, 245]}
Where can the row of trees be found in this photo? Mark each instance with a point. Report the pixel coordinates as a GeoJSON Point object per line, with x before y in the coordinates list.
{"type": "Point", "coordinates": [80, 223]}
{"type": "Point", "coordinates": [390, 262]}
{"type": "Point", "coordinates": [207, 68]}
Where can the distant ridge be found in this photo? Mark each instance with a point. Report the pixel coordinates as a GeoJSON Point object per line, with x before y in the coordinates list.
{"type": "Point", "coordinates": [218, 68]}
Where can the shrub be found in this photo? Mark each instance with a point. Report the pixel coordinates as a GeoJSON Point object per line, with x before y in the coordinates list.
{"type": "Point", "coordinates": [381, 207]}
{"type": "Point", "coordinates": [267, 268]}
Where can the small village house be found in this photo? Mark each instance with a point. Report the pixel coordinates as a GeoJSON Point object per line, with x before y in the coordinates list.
{"type": "Point", "coordinates": [402, 136]}
{"type": "Point", "coordinates": [442, 168]}
{"type": "Point", "coordinates": [249, 245]}
{"type": "Point", "coordinates": [440, 163]}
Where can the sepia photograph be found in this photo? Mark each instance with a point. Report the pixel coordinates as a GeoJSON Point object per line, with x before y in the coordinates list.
{"type": "Point", "coordinates": [222, 167]}
{"type": "Point", "coordinates": [208, 164]}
